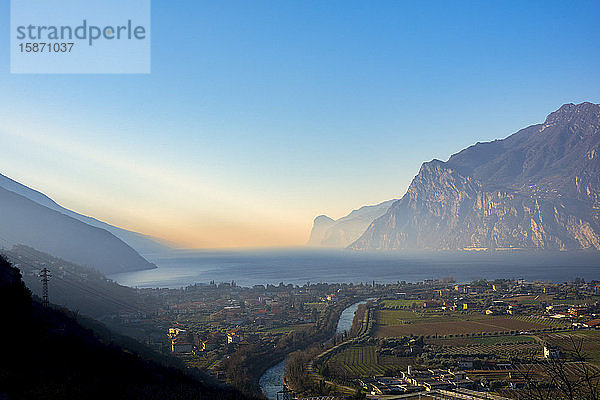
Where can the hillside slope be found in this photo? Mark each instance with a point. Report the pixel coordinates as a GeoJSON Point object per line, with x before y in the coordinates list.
{"type": "Point", "coordinates": [53, 356]}
{"type": "Point", "coordinates": [29, 223]}
{"type": "Point", "coordinates": [143, 244]}
{"type": "Point", "coordinates": [73, 286]}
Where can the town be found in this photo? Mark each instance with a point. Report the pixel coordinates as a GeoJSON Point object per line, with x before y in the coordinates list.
{"type": "Point", "coordinates": [430, 338]}
{"type": "Point", "coordinates": [489, 337]}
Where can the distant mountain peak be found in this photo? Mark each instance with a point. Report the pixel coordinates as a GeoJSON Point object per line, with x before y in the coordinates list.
{"type": "Point", "coordinates": [323, 219]}
{"type": "Point", "coordinates": [581, 118]}
{"type": "Point", "coordinates": [343, 231]}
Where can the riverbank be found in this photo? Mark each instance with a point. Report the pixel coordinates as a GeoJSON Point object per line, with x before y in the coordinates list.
{"type": "Point", "coordinates": [359, 330]}
{"type": "Point", "coordinates": [300, 375]}
{"type": "Point", "coordinates": [343, 324]}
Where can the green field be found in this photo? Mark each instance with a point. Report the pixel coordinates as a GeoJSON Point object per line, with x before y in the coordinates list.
{"type": "Point", "coordinates": [395, 323]}
{"type": "Point", "coordinates": [503, 350]}
{"type": "Point", "coordinates": [566, 340]}
{"type": "Point", "coordinates": [400, 303]}
{"type": "Point", "coordinates": [400, 317]}
{"type": "Point", "coordinates": [480, 340]}
{"type": "Point", "coordinates": [548, 298]}
{"type": "Point", "coordinates": [492, 340]}
{"type": "Point", "coordinates": [358, 361]}
{"type": "Point", "coordinates": [531, 299]}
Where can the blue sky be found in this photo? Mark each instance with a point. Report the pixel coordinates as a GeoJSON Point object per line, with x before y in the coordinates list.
{"type": "Point", "coordinates": [260, 115]}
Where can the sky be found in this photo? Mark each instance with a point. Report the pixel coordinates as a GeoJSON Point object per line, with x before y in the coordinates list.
{"type": "Point", "coordinates": [258, 116]}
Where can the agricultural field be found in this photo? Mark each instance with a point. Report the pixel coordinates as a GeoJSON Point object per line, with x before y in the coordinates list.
{"type": "Point", "coordinates": [549, 322]}
{"type": "Point", "coordinates": [494, 340]}
{"type": "Point", "coordinates": [400, 303]}
{"type": "Point", "coordinates": [357, 361]}
{"type": "Point", "coordinates": [508, 347]}
{"type": "Point", "coordinates": [319, 306]}
{"type": "Point", "coordinates": [396, 323]}
{"type": "Point", "coordinates": [399, 317]}
{"type": "Point", "coordinates": [549, 298]}
{"type": "Point", "coordinates": [485, 340]}
{"type": "Point", "coordinates": [504, 350]}
{"type": "Point", "coordinates": [590, 342]}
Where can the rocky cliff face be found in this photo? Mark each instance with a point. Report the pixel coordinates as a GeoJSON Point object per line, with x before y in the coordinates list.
{"type": "Point", "coordinates": [537, 189]}
{"type": "Point", "coordinates": [328, 232]}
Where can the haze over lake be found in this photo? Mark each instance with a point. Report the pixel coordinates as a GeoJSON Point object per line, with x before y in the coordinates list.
{"type": "Point", "coordinates": [301, 265]}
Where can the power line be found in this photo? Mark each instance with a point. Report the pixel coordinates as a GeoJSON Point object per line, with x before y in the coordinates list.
{"type": "Point", "coordinates": [45, 275]}
{"type": "Point", "coordinates": [86, 288]}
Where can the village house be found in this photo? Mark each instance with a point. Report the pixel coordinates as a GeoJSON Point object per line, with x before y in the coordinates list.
{"type": "Point", "coordinates": [234, 336]}
{"type": "Point", "coordinates": [181, 344]}
{"type": "Point", "coordinates": [594, 323]}
{"type": "Point", "coordinates": [551, 352]}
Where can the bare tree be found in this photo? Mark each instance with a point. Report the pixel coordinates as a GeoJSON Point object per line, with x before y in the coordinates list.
{"type": "Point", "coordinates": [570, 377]}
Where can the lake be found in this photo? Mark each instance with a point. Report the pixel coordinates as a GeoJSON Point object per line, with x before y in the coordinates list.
{"type": "Point", "coordinates": [299, 266]}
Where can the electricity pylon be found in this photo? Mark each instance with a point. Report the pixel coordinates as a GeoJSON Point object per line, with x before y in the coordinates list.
{"type": "Point", "coordinates": [45, 275]}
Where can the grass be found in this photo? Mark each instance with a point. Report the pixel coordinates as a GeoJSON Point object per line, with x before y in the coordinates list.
{"type": "Point", "coordinates": [550, 299]}
{"type": "Point", "coordinates": [536, 299]}
{"type": "Point", "coordinates": [498, 351]}
{"type": "Point", "coordinates": [400, 303]}
{"type": "Point", "coordinates": [590, 339]}
{"type": "Point", "coordinates": [493, 340]}
{"type": "Point", "coordinates": [395, 323]}
{"type": "Point", "coordinates": [401, 317]}
{"type": "Point", "coordinates": [359, 361]}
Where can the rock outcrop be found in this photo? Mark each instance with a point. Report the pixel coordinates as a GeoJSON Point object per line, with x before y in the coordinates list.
{"type": "Point", "coordinates": [537, 189]}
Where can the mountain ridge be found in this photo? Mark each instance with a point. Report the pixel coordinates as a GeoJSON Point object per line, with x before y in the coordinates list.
{"type": "Point", "coordinates": [29, 223]}
{"type": "Point", "coordinates": [144, 244]}
{"type": "Point", "coordinates": [328, 232]}
{"type": "Point", "coordinates": [539, 188]}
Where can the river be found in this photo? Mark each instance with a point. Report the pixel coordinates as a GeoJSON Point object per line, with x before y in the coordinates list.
{"type": "Point", "coordinates": [271, 381]}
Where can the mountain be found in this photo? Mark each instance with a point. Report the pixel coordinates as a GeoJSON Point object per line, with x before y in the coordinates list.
{"type": "Point", "coordinates": [145, 245]}
{"type": "Point", "coordinates": [73, 357]}
{"type": "Point", "coordinates": [73, 286]}
{"type": "Point", "coordinates": [340, 233]}
{"type": "Point", "coordinates": [318, 233]}
{"type": "Point", "coordinates": [29, 223]}
{"type": "Point", "coordinates": [537, 189]}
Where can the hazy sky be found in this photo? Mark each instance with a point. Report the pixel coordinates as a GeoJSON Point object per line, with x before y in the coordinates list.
{"type": "Point", "coordinates": [260, 115]}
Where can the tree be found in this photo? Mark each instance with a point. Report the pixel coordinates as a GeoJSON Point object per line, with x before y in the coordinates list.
{"type": "Point", "coordinates": [571, 377]}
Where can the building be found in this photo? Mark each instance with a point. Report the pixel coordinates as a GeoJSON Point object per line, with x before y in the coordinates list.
{"type": "Point", "coordinates": [175, 331]}
{"type": "Point", "coordinates": [234, 337]}
{"type": "Point", "coordinates": [431, 304]}
{"type": "Point", "coordinates": [551, 352]}
{"type": "Point", "coordinates": [465, 363]}
{"type": "Point", "coordinates": [556, 308]}
{"type": "Point", "coordinates": [550, 289]}
{"type": "Point", "coordinates": [577, 311]}
{"type": "Point", "coordinates": [514, 309]}
{"type": "Point", "coordinates": [181, 344]}
{"type": "Point", "coordinates": [595, 323]}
